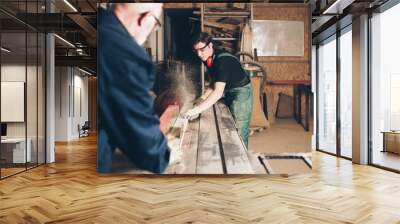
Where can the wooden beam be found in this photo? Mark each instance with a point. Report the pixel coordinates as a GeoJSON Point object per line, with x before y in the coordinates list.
{"type": "Point", "coordinates": [236, 159]}
{"type": "Point", "coordinates": [208, 155]}
{"type": "Point", "coordinates": [254, 158]}
{"type": "Point", "coordinates": [175, 138]}
{"type": "Point", "coordinates": [188, 161]}
{"type": "Point", "coordinates": [220, 25]}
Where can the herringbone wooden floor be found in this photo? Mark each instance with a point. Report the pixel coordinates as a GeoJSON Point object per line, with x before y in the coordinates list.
{"type": "Point", "coordinates": [70, 191]}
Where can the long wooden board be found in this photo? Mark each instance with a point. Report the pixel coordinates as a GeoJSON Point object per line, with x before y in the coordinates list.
{"type": "Point", "coordinates": [221, 25]}
{"type": "Point", "coordinates": [253, 158]}
{"type": "Point", "coordinates": [188, 148]}
{"type": "Point", "coordinates": [258, 118]}
{"type": "Point", "coordinates": [208, 152]}
{"type": "Point", "coordinates": [209, 145]}
{"type": "Point", "coordinates": [175, 138]}
{"type": "Point", "coordinates": [236, 159]}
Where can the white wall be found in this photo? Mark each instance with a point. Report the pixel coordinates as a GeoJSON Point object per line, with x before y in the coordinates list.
{"type": "Point", "coordinates": [71, 93]}
{"type": "Point", "coordinates": [80, 105]}
{"type": "Point", "coordinates": [33, 127]}
{"type": "Point", "coordinates": [61, 103]}
{"type": "Point", "coordinates": [12, 73]}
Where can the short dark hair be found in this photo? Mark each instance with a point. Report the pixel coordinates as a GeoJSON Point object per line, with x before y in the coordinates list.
{"type": "Point", "coordinates": [202, 37]}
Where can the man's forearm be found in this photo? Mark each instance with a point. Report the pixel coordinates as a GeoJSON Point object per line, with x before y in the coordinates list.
{"type": "Point", "coordinates": [207, 93]}
{"type": "Point", "coordinates": [213, 97]}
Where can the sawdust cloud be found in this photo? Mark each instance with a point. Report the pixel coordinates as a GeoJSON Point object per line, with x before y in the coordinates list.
{"type": "Point", "coordinates": [183, 78]}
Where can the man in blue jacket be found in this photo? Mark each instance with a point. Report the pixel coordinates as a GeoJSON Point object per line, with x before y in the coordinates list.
{"type": "Point", "coordinates": [127, 120]}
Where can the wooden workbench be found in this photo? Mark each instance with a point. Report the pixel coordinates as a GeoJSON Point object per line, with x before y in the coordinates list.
{"type": "Point", "coordinates": [300, 87]}
{"type": "Point", "coordinates": [211, 145]}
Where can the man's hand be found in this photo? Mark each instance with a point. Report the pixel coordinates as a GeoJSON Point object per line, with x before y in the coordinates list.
{"type": "Point", "coordinates": [175, 152]}
{"type": "Point", "coordinates": [192, 113]}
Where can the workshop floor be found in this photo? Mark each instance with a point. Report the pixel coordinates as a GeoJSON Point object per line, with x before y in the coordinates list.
{"type": "Point", "coordinates": [284, 136]}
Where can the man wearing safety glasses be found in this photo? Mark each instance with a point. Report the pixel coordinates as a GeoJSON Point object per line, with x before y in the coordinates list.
{"type": "Point", "coordinates": [127, 120]}
{"type": "Point", "coordinates": [229, 79]}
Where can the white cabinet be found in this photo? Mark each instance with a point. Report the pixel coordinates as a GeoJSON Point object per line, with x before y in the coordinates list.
{"type": "Point", "coordinates": [15, 149]}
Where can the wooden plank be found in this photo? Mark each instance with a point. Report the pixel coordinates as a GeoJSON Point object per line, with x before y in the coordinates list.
{"type": "Point", "coordinates": [236, 159]}
{"type": "Point", "coordinates": [189, 144]}
{"type": "Point", "coordinates": [208, 153]}
{"type": "Point", "coordinates": [175, 137]}
{"type": "Point", "coordinates": [258, 118]}
{"type": "Point", "coordinates": [254, 158]}
{"type": "Point", "coordinates": [221, 25]}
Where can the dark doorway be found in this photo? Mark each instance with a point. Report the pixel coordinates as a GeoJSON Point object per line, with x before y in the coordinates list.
{"type": "Point", "coordinates": [180, 27]}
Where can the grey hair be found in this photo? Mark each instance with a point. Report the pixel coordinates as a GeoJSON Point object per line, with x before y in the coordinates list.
{"type": "Point", "coordinates": [109, 6]}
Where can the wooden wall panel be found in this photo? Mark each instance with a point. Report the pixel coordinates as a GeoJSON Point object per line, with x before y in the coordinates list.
{"type": "Point", "coordinates": [296, 12]}
{"type": "Point", "coordinates": [285, 68]}
{"type": "Point", "coordinates": [282, 71]}
{"type": "Point", "coordinates": [286, 71]}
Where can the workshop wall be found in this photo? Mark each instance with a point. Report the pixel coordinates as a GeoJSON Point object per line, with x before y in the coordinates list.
{"type": "Point", "coordinates": [283, 67]}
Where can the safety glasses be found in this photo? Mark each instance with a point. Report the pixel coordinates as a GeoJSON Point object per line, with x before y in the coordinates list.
{"type": "Point", "coordinates": [196, 50]}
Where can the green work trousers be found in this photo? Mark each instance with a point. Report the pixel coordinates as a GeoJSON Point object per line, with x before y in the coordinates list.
{"type": "Point", "coordinates": [240, 102]}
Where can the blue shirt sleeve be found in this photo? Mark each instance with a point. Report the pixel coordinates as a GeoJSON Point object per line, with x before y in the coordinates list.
{"type": "Point", "coordinates": [127, 111]}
